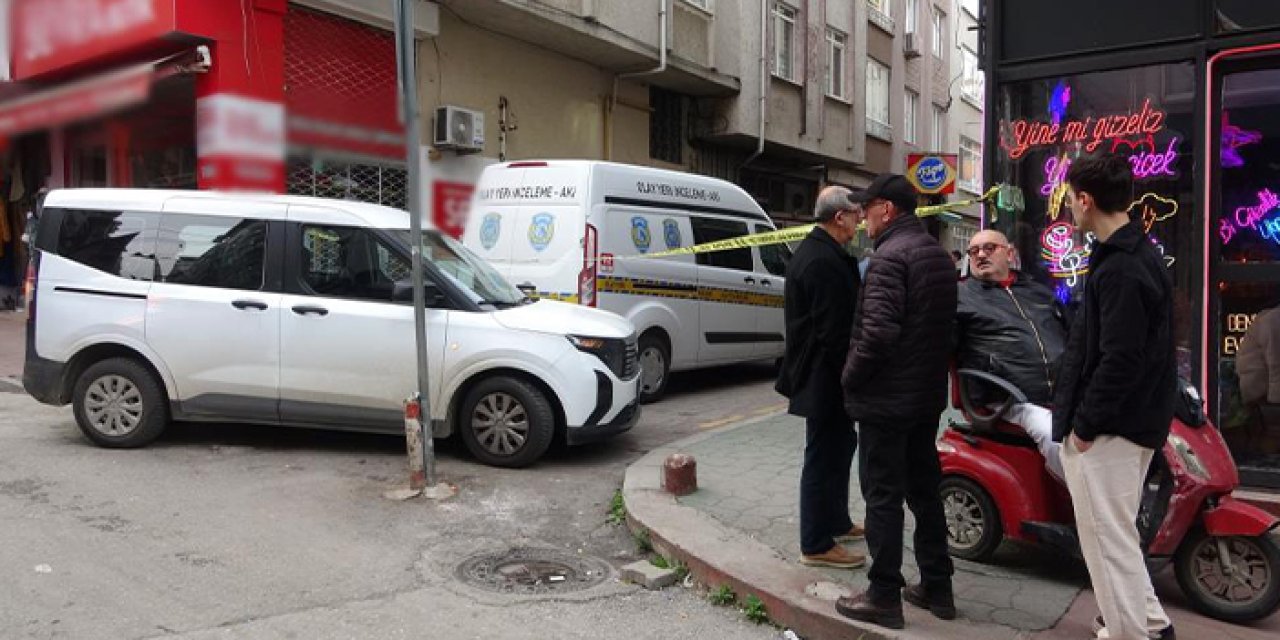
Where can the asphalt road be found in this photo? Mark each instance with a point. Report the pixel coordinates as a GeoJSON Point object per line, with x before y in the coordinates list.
{"type": "Point", "coordinates": [221, 531]}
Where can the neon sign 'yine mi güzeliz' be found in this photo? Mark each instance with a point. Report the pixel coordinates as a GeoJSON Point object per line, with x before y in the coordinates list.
{"type": "Point", "coordinates": [1019, 136]}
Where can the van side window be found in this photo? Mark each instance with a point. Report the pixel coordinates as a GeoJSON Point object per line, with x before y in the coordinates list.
{"type": "Point", "coordinates": [349, 262]}
{"type": "Point", "coordinates": [120, 243]}
{"type": "Point", "coordinates": [212, 251]}
{"type": "Point", "coordinates": [774, 256]}
{"type": "Point", "coordinates": [711, 230]}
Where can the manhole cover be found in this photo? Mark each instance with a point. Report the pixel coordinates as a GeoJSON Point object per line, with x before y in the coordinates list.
{"type": "Point", "coordinates": [532, 571]}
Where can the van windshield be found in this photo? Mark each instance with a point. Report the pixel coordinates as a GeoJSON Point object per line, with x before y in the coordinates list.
{"type": "Point", "coordinates": [467, 270]}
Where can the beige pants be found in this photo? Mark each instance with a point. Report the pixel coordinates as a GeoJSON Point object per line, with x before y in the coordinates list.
{"type": "Point", "coordinates": [1106, 490]}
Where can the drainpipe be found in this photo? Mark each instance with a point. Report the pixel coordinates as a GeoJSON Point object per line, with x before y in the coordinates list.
{"type": "Point", "coordinates": [764, 80]}
{"type": "Point", "coordinates": [663, 12]}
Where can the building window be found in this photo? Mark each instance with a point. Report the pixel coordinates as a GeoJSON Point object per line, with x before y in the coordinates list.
{"type": "Point", "coordinates": [970, 178]}
{"type": "Point", "coordinates": [666, 124]}
{"type": "Point", "coordinates": [881, 14]}
{"type": "Point", "coordinates": [909, 20]}
{"type": "Point", "coordinates": [880, 5]}
{"type": "Point", "coordinates": [836, 46]}
{"type": "Point", "coordinates": [784, 34]}
{"type": "Point", "coordinates": [909, 111]}
{"type": "Point", "coordinates": [973, 84]}
{"type": "Point", "coordinates": [878, 100]}
{"type": "Point", "coordinates": [939, 127]}
{"type": "Point", "coordinates": [939, 31]}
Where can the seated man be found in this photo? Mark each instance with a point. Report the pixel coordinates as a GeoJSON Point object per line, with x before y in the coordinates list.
{"type": "Point", "coordinates": [1012, 327]}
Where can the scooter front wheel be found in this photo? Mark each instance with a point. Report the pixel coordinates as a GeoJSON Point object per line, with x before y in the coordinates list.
{"type": "Point", "coordinates": [974, 531]}
{"type": "Point", "coordinates": [1231, 578]}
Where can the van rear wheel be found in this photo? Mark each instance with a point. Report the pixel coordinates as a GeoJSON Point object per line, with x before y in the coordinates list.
{"type": "Point", "coordinates": [507, 422]}
{"type": "Point", "coordinates": [655, 367]}
{"type": "Point", "coordinates": [119, 404]}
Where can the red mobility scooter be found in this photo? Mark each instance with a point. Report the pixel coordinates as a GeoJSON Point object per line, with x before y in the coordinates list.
{"type": "Point", "coordinates": [995, 487]}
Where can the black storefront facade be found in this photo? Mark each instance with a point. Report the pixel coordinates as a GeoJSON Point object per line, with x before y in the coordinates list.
{"type": "Point", "coordinates": [1189, 90]}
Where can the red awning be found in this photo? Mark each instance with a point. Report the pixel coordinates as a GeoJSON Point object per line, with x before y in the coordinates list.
{"type": "Point", "coordinates": [76, 101]}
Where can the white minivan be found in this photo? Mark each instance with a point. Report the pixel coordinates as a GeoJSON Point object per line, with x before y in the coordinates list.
{"type": "Point", "coordinates": [576, 230]}
{"type": "Point", "coordinates": [154, 305]}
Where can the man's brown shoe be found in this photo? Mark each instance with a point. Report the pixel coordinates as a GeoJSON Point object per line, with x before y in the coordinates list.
{"type": "Point", "coordinates": [861, 608]}
{"type": "Point", "coordinates": [856, 533]}
{"type": "Point", "coordinates": [837, 557]}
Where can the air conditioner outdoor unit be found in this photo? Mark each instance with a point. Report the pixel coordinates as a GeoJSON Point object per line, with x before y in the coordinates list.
{"type": "Point", "coordinates": [459, 129]}
{"type": "Point", "coordinates": [910, 46]}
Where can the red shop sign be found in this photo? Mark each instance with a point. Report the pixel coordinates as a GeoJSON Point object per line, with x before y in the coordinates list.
{"type": "Point", "coordinates": [51, 35]}
{"type": "Point", "coordinates": [450, 202]}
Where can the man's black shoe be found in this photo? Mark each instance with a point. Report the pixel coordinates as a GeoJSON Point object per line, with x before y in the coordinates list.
{"type": "Point", "coordinates": [1165, 633]}
{"type": "Point", "coordinates": [861, 608]}
{"type": "Point", "coordinates": [941, 606]}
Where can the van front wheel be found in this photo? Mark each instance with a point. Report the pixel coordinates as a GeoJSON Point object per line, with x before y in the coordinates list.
{"type": "Point", "coordinates": [118, 404]}
{"type": "Point", "coordinates": [507, 422]}
{"type": "Point", "coordinates": [655, 367]}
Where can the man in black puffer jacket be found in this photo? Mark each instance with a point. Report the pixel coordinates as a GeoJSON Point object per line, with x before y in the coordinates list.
{"type": "Point", "coordinates": [1011, 326]}
{"type": "Point", "coordinates": [895, 386]}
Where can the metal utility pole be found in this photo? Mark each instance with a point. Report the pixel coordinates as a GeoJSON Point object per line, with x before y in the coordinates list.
{"type": "Point", "coordinates": [421, 447]}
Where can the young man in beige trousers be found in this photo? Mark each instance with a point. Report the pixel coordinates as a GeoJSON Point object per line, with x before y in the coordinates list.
{"type": "Point", "coordinates": [1115, 396]}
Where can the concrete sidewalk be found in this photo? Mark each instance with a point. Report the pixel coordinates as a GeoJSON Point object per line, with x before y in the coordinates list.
{"type": "Point", "coordinates": [13, 332]}
{"type": "Point", "coordinates": [741, 528]}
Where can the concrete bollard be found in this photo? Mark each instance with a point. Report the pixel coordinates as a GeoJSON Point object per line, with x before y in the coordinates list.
{"type": "Point", "coordinates": [680, 474]}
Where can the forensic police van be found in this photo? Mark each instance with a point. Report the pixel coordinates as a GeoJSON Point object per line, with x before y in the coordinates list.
{"type": "Point", "coordinates": [580, 230]}
{"type": "Point", "coordinates": [153, 305]}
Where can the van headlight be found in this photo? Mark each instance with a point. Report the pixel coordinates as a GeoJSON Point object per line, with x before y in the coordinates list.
{"type": "Point", "coordinates": [611, 351]}
{"type": "Point", "coordinates": [1188, 457]}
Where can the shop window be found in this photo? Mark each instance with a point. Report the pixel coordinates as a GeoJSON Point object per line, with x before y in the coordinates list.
{"type": "Point", "coordinates": [379, 183]}
{"type": "Point", "coordinates": [1044, 125]}
{"type": "Point", "coordinates": [666, 124]}
{"type": "Point", "coordinates": [1242, 15]}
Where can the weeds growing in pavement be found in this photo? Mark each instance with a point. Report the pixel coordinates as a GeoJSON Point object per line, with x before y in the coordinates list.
{"type": "Point", "coordinates": [643, 543]}
{"type": "Point", "coordinates": [753, 608]}
{"type": "Point", "coordinates": [617, 509]}
{"type": "Point", "coordinates": [722, 596]}
{"type": "Point", "coordinates": [660, 562]}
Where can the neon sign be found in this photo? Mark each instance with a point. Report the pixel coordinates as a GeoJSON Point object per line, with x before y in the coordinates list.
{"type": "Point", "coordinates": [1058, 102]}
{"type": "Point", "coordinates": [1233, 138]}
{"type": "Point", "coordinates": [1019, 136]}
{"type": "Point", "coordinates": [1065, 260]}
{"type": "Point", "coordinates": [1154, 208]}
{"type": "Point", "coordinates": [1255, 217]}
{"type": "Point", "coordinates": [1147, 164]}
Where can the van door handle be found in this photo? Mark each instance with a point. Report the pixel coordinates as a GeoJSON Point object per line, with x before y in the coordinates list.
{"type": "Point", "coordinates": [749, 280]}
{"type": "Point", "coordinates": [766, 282]}
{"type": "Point", "coordinates": [249, 304]}
{"type": "Point", "coordinates": [304, 310]}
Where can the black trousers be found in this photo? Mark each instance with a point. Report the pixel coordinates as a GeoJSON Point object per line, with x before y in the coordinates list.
{"type": "Point", "coordinates": [829, 444]}
{"type": "Point", "coordinates": [899, 462]}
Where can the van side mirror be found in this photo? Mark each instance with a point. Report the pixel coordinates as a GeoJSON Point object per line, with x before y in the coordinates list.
{"type": "Point", "coordinates": [402, 291]}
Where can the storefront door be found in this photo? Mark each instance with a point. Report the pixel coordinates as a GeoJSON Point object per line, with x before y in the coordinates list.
{"type": "Point", "coordinates": [1244, 266]}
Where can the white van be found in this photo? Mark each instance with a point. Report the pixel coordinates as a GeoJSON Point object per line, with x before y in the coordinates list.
{"type": "Point", "coordinates": [574, 230]}
{"type": "Point", "coordinates": [153, 305]}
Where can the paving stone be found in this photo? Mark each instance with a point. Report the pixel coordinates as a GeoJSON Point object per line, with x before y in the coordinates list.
{"type": "Point", "coordinates": [648, 576]}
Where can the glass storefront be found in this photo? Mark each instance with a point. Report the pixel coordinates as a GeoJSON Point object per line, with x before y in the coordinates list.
{"type": "Point", "coordinates": [1245, 266]}
{"type": "Point", "coordinates": [1146, 114]}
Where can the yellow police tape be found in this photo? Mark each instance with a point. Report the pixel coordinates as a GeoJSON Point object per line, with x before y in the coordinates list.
{"type": "Point", "coordinates": [793, 234]}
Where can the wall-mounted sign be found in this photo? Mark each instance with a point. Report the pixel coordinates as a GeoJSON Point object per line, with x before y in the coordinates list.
{"type": "Point", "coordinates": [932, 173]}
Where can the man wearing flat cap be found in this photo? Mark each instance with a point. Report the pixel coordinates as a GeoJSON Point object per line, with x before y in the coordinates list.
{"type": "Point", "coordinates": [895, 387]}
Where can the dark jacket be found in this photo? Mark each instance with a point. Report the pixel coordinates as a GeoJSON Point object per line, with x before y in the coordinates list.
{"type": "Point", "coordinates": [1118, 373]}
{"type": "Point", "coordinates": [822, 287]}
{"type": "Point", "coordinates": [1017, 333]}
{"type": "Point", "coordinates": [901, 347]}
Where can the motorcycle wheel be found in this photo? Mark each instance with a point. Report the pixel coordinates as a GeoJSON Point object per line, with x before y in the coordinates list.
{"type": "Point", "coordinates": [1249, 589]}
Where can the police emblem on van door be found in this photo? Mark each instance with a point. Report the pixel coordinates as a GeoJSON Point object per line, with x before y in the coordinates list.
{"type": "Point", "coordinates": [490, 229]}
{"type": "Point", "coordinates": [671, 233]}
{"type": "Point", "coordinates": [541, 230]}
{"type": "Point", "coordinates": [640, 235]}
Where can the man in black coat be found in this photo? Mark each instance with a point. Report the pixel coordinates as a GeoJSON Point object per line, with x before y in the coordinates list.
{"type": "Point", "coordinates": [1013, 327]}
{"type": "Point", "coordinates": [895, 385]}
{"type": "Point", "coordinates": [1115, 396]}
{"type": "Point", "coordinates": [821, 289]}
